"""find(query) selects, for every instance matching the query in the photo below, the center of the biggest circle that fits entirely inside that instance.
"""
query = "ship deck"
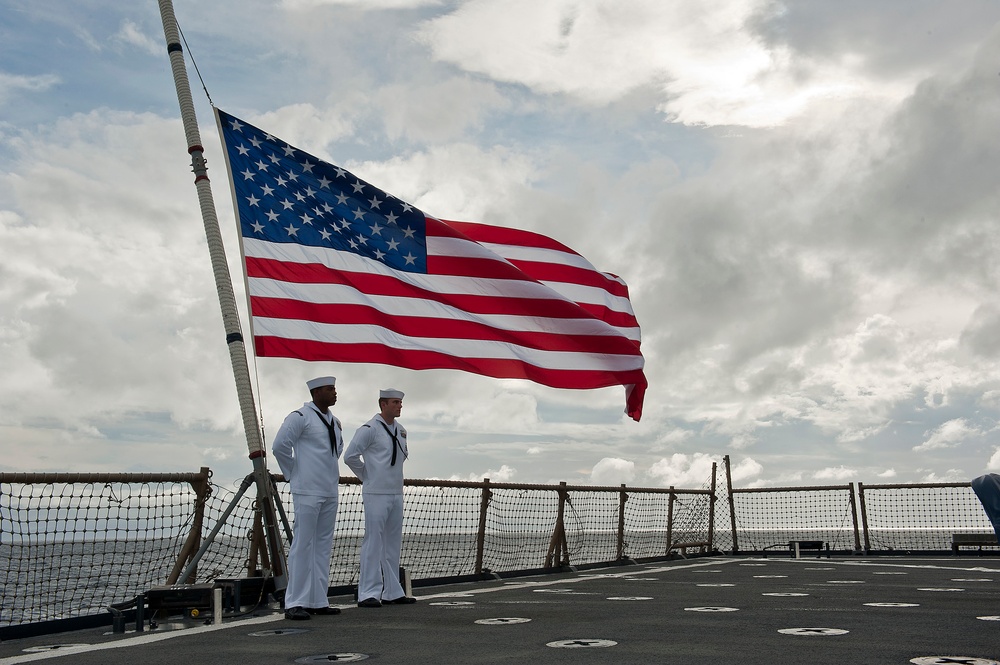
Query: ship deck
(723, 609)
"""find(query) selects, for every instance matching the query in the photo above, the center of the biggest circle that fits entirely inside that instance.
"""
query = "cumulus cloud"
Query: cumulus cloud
(708, 61)
(994, 463)
(695, 470)
(613, 471)
(504, 474)
(835, 473)
(948, 435)
(949, 476)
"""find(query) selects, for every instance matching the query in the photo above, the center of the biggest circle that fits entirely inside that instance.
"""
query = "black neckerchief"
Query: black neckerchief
(333, 436)
(395, 443)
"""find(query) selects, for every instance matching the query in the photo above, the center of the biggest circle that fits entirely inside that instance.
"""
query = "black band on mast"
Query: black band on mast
(174, 47)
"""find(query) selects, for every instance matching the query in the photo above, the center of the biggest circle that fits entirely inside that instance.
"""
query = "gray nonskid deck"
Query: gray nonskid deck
(709, 610)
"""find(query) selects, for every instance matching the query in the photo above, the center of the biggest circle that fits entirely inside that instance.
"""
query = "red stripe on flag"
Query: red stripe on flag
(438, 328)
(384, 285)
(418, 359)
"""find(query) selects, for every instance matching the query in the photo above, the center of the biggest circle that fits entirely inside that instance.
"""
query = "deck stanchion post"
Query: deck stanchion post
(484, 505)
(670, 521)
(622, 498)
(854, 517)
(558, 553)
(864, 517)
(732, 504)
(202, 489)
(711, 510)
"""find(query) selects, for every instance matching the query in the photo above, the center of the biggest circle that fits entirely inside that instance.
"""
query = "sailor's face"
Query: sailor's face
(394, 406)
(326, 395)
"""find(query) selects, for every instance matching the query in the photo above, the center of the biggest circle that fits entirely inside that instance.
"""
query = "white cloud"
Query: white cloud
(745, 469)
(994, 463)
(371, 5)
(949, 476)
(613, 471)
(130, 33)
(707, 61)
(695, 470)
(12, 85)
(437, 112)
(888, 473)
(835, 473)
(948, 435)
(504, 474)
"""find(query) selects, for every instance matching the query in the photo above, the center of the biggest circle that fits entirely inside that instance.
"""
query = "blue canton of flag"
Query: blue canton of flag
(285, 195)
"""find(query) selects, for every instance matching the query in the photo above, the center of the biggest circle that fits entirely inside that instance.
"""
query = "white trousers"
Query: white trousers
(309, 555)
(380, 547)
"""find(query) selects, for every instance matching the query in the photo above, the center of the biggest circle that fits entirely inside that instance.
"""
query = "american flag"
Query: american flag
(339, 270)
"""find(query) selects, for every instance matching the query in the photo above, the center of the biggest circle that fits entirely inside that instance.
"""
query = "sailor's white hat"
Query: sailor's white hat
(321, 381)
(390, 393)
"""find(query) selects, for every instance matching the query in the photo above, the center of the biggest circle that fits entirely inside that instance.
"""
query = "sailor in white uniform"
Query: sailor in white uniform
(376, 455)
(307, 447)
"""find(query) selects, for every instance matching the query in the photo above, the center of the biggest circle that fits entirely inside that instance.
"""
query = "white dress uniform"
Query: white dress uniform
(307, 447)
(378, 461)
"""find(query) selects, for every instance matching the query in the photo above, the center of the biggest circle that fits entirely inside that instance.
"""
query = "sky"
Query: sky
(802, 197)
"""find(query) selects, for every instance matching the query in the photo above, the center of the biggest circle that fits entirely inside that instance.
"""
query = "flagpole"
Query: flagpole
(227, 299)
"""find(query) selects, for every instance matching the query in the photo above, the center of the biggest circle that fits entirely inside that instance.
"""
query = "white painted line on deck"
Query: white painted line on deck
(145, 638)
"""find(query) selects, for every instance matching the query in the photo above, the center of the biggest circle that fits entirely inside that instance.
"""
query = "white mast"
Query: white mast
(227, 299)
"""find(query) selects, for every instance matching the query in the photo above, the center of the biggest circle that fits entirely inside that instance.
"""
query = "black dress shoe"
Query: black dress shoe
(296, 614)
(323, 610)
(402, 600)
(370, 602)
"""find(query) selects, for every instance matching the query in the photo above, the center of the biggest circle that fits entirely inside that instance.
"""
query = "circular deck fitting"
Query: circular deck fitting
(333, 658)
(711, 609)
(813, 631)
(964, 660)
(630, 598)
(502, 621)
(784, 594)
(721, 584)
(991, 617)
(938, 589)
(845, 581)
(278, 631)
(581, 644)
(892, 604)
(53, 647)
(753, 564)
(765, 577)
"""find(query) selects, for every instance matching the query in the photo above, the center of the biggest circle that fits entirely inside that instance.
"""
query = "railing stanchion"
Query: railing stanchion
(711, 511)
(558, 553)
(481, 533)
(670, 521)
(732, 504)
(864, 517)
(622, 498)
